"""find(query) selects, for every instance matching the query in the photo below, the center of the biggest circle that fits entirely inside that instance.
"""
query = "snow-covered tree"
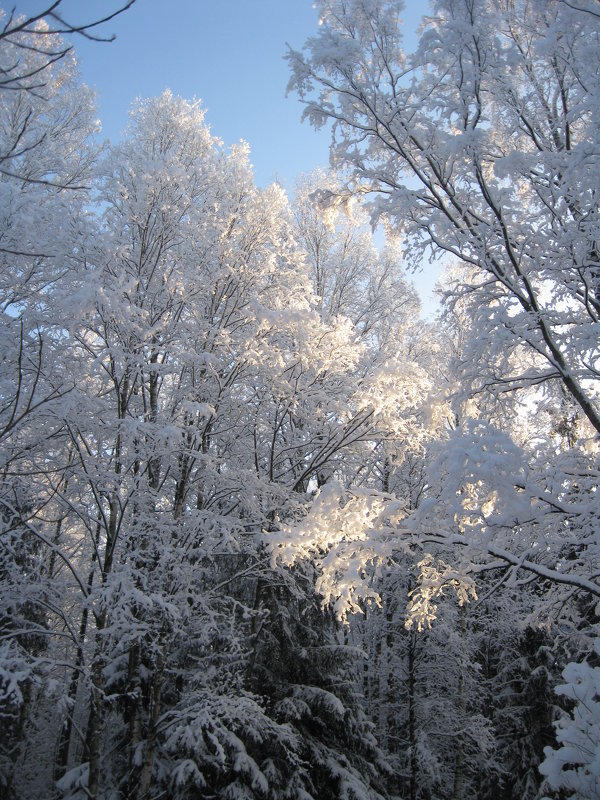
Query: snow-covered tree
(41, 35)
(573, 767)
(46, 159)
(494, 114)
(225, 431)
(207, 398)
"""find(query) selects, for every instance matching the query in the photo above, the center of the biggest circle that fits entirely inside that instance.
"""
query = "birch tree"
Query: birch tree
(496, 112)
(210, 395)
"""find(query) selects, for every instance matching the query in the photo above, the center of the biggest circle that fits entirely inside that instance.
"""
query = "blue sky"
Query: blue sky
(228, 53)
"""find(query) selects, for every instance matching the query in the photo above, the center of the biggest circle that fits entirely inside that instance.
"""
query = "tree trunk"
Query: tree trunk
(457, 791)
(96, 718)
(145, 778)
(412, 739)
(64, 747)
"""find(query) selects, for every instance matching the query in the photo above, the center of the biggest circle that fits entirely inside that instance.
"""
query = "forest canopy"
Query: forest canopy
(265, 532)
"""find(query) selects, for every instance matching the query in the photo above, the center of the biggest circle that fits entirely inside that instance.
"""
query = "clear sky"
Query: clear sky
(228, 53)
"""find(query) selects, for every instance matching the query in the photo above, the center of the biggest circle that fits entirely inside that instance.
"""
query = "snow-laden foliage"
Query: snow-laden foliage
(173, 393)
(482, 147)
(225, 430)
(574, 766)
(344, 534)
(496, 113)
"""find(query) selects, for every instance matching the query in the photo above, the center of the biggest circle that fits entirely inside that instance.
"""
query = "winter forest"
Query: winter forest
(266, 531)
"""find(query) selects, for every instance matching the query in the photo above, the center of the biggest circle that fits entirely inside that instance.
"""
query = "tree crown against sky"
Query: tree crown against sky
(482, 145)
(187, 390)
(219, 46)
(486, 119)
(224, 430)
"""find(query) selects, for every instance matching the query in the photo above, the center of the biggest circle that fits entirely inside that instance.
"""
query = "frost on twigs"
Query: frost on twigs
(347, 534)
(434, 579)
(74, 782)
(575, 765)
